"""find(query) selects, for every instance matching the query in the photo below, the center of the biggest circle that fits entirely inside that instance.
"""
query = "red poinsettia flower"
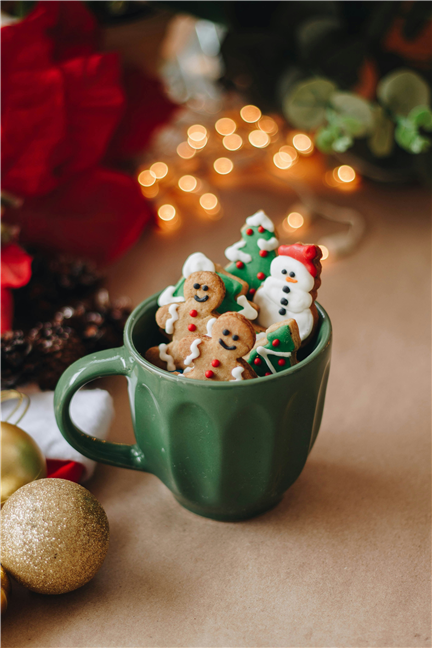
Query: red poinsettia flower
(15, 272)
(64, 105)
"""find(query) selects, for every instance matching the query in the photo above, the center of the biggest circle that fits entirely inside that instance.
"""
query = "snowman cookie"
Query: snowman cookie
(220, 357)
(291, 289)
(203, 292)
(277, 350)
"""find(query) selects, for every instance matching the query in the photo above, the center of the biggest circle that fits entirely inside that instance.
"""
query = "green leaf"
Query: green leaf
(381, 140)
(343, 143)
(324, 139)
(355, 112)
(306, 104)
(408, 137)
(421, 116)
(402, 90)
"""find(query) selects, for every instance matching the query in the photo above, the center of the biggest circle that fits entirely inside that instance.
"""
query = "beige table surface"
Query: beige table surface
(344, 560)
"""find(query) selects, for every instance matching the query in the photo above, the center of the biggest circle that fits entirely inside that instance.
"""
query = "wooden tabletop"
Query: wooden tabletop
(344, 560)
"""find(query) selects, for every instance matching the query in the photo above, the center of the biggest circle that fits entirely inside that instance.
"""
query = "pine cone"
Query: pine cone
(15, 349)
(54, 349)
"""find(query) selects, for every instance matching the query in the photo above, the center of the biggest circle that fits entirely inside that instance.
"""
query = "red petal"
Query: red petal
(64, 469)
(15, 266)
(98, 214)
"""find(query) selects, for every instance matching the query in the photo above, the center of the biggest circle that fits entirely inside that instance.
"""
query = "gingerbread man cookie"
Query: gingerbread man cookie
(220, 357)
(203, 293)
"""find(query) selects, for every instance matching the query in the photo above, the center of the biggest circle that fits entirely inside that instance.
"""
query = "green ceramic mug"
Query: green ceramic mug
(226, 450)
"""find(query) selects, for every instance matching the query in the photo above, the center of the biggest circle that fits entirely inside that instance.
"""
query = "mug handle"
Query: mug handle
(102, 363)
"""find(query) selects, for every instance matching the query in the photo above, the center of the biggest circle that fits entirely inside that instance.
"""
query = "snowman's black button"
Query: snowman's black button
(282, 311)
(286, 289)
(284, 302)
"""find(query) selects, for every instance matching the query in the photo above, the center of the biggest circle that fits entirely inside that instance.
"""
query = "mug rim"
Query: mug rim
(135, 316)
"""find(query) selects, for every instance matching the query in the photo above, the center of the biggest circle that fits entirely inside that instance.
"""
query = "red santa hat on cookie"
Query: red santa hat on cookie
(309, 255)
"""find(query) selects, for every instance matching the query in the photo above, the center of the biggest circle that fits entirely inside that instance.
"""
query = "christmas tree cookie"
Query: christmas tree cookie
(277, 350)
(252, 256)
(235, 299)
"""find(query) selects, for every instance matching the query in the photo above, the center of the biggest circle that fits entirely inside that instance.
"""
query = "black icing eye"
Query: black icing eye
(284, 271)
(196, 286)
(225, 332)
(205, 287)
(235, 337)
(292, 274)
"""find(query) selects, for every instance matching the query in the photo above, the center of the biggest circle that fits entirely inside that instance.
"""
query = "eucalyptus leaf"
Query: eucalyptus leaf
(408, 137)
(421, 116)
(402, 90)
(381, 140)
(306, 104)
(355, 111)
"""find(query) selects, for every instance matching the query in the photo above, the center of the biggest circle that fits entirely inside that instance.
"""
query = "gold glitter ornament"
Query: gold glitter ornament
(5, 589)
(21, 460)
(54, 536)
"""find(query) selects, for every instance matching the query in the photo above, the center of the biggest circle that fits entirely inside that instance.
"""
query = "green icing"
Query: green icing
(258, 264)
(282, 334)
(233, 288)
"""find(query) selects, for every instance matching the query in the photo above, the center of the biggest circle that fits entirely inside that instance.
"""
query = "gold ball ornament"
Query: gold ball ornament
(21, 460)
(5, 589)
(54, 537)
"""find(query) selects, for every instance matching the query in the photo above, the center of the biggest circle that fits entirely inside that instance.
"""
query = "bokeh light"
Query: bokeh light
(295, 220)
(232, 142)
(197, 133)
(223, 165)
(303, 143)
(146, 178)
(185, 151)
(250, 114)
(346, 173)
(325, 252)
(187, 183)
(268, 125)
(259, 139)
(159, 169)
(225, 126)
(197, 144)
(289, 150)
(166, 212)
(208, 201)
(282, 160)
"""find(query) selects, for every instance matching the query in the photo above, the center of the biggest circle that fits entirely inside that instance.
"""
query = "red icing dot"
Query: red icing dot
(249, 231)
(281, 362)
(276, 342)
(193, 313)
(257, 361)
(261, 275)
(240, 265)
(261, 229)
(252, 292)
(263, 253)
(209, 374)
(192, 327)
(267, 373)
(215, 362)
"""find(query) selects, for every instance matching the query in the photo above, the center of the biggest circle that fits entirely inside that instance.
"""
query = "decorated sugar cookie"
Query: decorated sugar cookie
(235, 288)
(203, 292)
(277, 350)
(291, 289)
(252, 256)
(220, 357)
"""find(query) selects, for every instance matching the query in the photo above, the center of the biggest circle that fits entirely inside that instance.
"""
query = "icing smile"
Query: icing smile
(222, 343)
(201, 299)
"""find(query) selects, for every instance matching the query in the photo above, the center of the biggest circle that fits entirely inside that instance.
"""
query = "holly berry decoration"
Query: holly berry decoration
(277, 351)
(251, 257)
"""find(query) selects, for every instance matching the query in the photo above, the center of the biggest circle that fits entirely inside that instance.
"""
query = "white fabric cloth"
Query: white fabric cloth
(91, 410)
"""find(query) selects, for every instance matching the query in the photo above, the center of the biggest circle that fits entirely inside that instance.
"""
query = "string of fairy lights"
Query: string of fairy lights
(197, 157)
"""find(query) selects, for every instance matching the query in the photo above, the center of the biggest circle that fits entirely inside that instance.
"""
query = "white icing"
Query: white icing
(269, 245)
(169, 325)
(196, 262)
(236, 373)
(194, 352)
(187, 370)
(260, 218)
(166, 297)
(166, 357)
(269, 295)
(247, 311)
(262, 351)
(210, 325)
(260, 336)
(234, 253)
